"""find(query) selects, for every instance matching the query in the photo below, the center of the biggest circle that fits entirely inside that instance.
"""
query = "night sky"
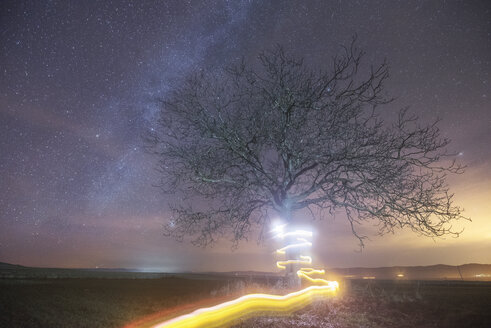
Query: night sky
(79, 86)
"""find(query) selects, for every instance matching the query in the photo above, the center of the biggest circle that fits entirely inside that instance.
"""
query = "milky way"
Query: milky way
(81, 82)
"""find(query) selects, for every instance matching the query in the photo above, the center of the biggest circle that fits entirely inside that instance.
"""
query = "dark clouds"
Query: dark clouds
(80, 82)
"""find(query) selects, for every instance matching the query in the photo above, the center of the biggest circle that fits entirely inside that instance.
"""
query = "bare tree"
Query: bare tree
(285, 137)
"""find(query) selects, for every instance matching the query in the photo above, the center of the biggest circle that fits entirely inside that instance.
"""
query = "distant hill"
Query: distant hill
(469, 272)
(472, 271)
(22, 272)
(8, 266)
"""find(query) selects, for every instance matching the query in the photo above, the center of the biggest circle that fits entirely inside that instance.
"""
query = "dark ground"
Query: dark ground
(394, 304)
(116, 302)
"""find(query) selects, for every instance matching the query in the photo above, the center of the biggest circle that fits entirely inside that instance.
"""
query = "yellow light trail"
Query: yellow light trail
(303, 260)
(304, 273)
(226, 313)
(303, 243)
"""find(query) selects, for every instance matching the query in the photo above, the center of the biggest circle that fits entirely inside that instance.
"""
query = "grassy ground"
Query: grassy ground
(93, 302)
(116, 302)
(394, 304)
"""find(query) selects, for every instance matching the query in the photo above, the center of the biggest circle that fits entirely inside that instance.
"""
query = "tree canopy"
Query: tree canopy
(282, 136)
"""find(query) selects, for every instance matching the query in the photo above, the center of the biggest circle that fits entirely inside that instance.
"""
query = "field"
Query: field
(93, 302)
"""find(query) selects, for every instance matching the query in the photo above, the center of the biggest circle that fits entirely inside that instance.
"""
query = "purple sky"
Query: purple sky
(79, 86)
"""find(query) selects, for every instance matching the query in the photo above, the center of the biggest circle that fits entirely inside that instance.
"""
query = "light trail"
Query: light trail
(227, 313)
(303, 260)
(303, 243)
(298, 233)
(306, 272)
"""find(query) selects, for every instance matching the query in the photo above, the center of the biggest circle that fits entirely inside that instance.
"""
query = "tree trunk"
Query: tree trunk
(291, 277)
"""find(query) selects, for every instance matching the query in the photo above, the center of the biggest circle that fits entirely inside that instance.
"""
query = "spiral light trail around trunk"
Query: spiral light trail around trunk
(225, 314)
